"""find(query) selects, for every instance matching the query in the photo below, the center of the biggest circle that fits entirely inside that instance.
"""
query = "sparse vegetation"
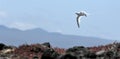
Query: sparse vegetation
(46, 51)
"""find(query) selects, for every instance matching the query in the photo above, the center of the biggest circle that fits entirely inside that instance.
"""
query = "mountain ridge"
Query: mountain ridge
(16, 37)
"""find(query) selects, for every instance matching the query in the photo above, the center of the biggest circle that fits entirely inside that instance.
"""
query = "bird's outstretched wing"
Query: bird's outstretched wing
(78, 21)
(79, 14)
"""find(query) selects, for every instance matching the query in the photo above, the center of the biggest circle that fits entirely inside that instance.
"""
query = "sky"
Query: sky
(59, 16)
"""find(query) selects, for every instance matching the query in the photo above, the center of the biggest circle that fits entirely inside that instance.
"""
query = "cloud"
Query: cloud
(21, 26)
(59, 31)
(3, 14)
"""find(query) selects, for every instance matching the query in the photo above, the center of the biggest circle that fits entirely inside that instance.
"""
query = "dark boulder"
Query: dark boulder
(2, 46)
(49, 54)
(47, 44)
(68, 56)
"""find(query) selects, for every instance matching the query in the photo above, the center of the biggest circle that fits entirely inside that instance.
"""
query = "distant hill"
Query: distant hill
(12, 36)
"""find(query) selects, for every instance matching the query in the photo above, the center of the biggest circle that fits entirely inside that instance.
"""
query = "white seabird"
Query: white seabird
(79, 14)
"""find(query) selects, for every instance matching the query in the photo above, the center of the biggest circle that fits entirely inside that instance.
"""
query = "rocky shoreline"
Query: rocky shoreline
(46, 51)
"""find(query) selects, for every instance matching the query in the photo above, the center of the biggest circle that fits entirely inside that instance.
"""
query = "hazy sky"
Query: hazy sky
(59, 16)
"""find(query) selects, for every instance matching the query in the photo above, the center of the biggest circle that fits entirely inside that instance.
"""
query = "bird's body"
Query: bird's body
(79, 14)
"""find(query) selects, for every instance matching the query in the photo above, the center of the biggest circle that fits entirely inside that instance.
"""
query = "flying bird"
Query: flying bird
(79, 14)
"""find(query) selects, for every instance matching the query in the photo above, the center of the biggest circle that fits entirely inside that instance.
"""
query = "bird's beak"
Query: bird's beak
(76, 13)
